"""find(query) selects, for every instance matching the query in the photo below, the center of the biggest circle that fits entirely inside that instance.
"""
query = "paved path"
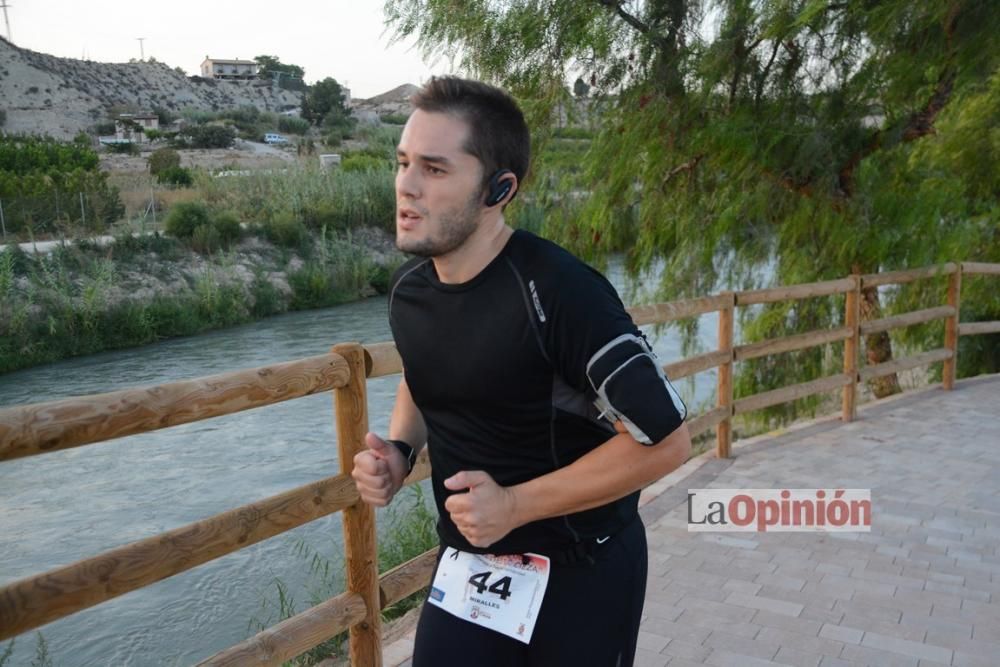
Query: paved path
(922, 588)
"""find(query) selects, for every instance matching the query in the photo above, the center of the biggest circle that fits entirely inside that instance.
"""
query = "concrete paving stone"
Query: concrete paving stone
(817, 645)
(918, 650)
(897, 602)
(834, 568)
(897, 630)
(869, 611)
(870, 573)
(755, 648)
(841, 633)
(935, 623)
(958, 591)
(982, 609)
(887, 566)
(813, 593)
(989, 632)
(790, 656)
(673, 630)
(768, 604)
(644, 658)
(781, 581)
(664, 611)
(967, 660)
(686, 650)
(695, 590)
(933, 598)
(722, 610)
(741, 586)
(876, 657)
(722, 658)
(728, 541)
(651, 642)
(827, 661)
(807, 627)
(708, 622)
(976, 647)
(835, 582)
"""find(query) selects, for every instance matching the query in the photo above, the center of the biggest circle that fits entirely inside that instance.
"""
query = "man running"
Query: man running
(542, 404)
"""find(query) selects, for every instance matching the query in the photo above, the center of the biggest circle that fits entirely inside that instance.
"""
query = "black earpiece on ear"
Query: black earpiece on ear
(498, 189)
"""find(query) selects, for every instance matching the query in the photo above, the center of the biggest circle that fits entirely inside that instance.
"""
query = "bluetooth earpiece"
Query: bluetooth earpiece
(499, 187)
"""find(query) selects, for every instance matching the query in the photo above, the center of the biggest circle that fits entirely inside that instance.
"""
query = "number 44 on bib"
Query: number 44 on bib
(501, 593)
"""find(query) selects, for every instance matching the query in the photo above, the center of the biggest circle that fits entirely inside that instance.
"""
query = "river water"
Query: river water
(64, 506)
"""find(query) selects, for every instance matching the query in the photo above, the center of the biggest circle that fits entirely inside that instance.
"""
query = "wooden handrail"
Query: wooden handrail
(47, 427)
(661, 313)
(905, 364)
(294, 636)
(906, 320)
(34, 429)
(39, 599)
(907, 275)
(791, 393)
(980, 268)
(791, 343)
(976, 328)
(805, 291)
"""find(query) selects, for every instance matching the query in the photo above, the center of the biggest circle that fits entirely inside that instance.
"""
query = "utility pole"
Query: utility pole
(142, 51)
(6, 19)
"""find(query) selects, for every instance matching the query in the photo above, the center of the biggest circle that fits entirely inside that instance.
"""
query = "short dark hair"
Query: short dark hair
(498, 136)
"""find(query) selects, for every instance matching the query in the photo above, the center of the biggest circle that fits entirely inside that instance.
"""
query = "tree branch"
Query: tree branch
(684, 166)
(918, 124)
(633, 21)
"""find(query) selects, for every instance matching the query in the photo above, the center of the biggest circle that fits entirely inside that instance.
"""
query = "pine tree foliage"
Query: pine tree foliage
(746, 142)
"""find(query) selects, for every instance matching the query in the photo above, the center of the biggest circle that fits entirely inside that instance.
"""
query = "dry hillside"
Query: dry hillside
(44, 94)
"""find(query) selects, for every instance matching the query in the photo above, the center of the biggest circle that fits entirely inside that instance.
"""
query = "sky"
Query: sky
(343, 39)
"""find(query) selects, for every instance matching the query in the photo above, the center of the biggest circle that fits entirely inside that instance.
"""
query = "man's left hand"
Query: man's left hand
(486, 512)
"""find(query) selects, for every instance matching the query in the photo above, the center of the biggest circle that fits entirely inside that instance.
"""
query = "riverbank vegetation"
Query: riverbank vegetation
(83, 297)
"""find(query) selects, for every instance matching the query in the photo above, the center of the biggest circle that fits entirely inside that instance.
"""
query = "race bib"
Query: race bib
(502, 593)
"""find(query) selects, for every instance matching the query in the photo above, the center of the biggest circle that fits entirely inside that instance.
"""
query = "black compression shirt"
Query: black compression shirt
(506, 370)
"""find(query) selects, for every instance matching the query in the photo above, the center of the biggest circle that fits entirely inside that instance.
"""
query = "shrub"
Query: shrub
(209, 136)
(394, 118)
(82, 139)
(124, 148)
(3, 117)
(334, 138)
(285, 230)
(162, 159)
(206, 240)
(292, 125)
(185, 218)
(105, 128)
(176, 176)
(227, 225)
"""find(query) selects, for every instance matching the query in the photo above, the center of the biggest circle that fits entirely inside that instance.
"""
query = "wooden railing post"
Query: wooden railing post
(852, 345)
(951, 328)
(351, 406)
(724, 390)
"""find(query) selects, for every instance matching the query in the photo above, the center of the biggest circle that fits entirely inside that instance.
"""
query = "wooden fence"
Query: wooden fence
(45, 427)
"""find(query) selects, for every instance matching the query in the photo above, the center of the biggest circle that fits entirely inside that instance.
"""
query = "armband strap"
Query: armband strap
(408, 452)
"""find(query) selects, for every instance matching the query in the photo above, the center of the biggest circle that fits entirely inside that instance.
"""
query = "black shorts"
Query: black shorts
(590, 616)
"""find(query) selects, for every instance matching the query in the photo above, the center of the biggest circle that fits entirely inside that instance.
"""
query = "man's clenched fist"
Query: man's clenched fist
(379, 471)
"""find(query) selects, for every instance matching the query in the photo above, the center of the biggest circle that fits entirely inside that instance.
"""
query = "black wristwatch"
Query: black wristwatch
(408, 452)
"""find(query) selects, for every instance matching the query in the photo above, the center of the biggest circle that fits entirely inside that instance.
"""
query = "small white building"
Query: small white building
(218, 68)
(131, 127)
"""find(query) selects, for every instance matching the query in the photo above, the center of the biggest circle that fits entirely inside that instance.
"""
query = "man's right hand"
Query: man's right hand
(379, 471)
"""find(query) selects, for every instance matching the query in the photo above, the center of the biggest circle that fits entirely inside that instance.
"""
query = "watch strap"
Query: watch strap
(408, 452)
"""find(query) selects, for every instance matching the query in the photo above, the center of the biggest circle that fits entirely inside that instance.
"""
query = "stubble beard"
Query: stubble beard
(454, 228)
